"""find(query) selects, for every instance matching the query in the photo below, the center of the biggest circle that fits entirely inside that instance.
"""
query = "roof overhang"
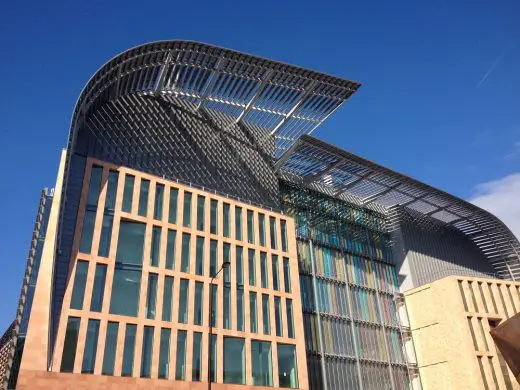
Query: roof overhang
(315, 164)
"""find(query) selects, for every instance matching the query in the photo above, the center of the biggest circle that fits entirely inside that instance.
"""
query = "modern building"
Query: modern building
(450, 320)
(185, 161)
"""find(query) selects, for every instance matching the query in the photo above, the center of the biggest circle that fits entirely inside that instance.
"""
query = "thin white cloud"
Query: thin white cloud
(493, 67)
(502, 198)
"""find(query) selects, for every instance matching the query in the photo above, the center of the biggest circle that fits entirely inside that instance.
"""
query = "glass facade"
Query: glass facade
(185, 252)
(151, 296)
(172, 209)
(186, 214)
(272, 233)
(199, 303)
(213, 222)
(158, 202)
(251, 266)
(129, 350)
(234, 361)
(180, 364)
(265, 313)
(226, 219)
(238, 223)
(167, 298)
(90, 210)
(261, 363)
(201, 201)
(98, 290)
(164, 353)
(109, 357)
(108, 214)
(253, 313)
(199, 256)
(147, 352)
(250, 227)
(155, 251)
(78, 290)
(143, 198)
(128, 193)
(287, 369)
(70, 344)
(183, 301)
(196, 366)
(170, 249)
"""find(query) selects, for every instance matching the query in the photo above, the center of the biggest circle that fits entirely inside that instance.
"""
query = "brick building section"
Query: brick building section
(450, 321)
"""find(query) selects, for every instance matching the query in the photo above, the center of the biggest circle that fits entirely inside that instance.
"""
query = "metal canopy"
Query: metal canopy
(318, 165)
(231, 87)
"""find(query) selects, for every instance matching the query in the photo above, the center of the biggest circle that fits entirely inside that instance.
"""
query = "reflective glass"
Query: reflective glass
(227, 258)
(155, 250)
(80, 280)
(278, 316)
(170, 249)
(213, 254)
(199, 303)
(151, 296)
(98, 290)
(261, 229)
(214, 360)
(240, 309)
(128, 193)
(70, 344)
(147, 352)
(183, 301)
(125, 291)
(251, 267)
(143, 198)
(109, 357)
(111, 195)
(89, 220)
(286, 275)
(287, 369)
(172, 210)
(196, 366)
(159, 200)
(186, 215)
(180, 364)
(213, 223)
(130, 244)
(129, 350)
(290, 321)
(276, 280)
(201, 201)
(238, 223)
(234, 361)
(164, 353)
(263, 269)
(106, 234)
(94, 185)
(226, 218)
(239, 266)
(214, 306)
(199, 256)
(283, 227)
(253, 316)
(250, 227)
(227, 307)
(265, 314)
(272, 229)
(185, 252)
(261, 363)
(90, 211)
(167, 298)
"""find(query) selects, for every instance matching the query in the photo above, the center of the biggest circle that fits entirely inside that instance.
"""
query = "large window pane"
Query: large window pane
(201, 201)
(155, 250)
(196, 367)
(287, 370)
(94, 185)
(89, 220)
(98, 290)
(172, 211)
(199, 303)
(111, 195)
(90, 211)
(70, 344)
(167, 298)
(164, 353)
(272, 230)
(238, 223)
(213, 254)
(170, 249)
(129, 350)
(278, 316)
(199, 256)
(159, 200)
(263, 269)
(109, 357)
(213, 223)
(186, 215)
(180, 364)
(143, 198)
(151, 296)
(147, 352)
(276, 280)
(290, 320)
(128, 193)
(253, 316)
(234, 361)
(125, 292)
(183, 301)
(283, 227)
(227, 307)
(250, 227)
(108, 215)
(239, 265)
(261, 363)
(265, 314)
(214, 360)
(251, 267)
(227, 258)
(214, 306)
(78, 290)
(286, 275)
(240, 309)
(261, 229)
(130, 244)
(226, 218)
(185, 252)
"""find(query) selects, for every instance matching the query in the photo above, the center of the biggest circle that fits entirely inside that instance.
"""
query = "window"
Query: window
(151, 297)
(287, 371)
(251, 267)
(214, 360)
(90, 210)
(159, 200)
(253, 321)
(283, 227)
(98, 290)
(183, 301)
(261, 362)
(272, 231)
(199, 256)
(69, 346)
(172, 211)
(263, 269)
(214, 299)
(239, 265)
(278, 316)
(186, 214)
(147, 352)
(227, 258)
(290, 321)
(276, 280)
(109, 357)
(201, 201)
(261, 229)
(234, 361)
(213, 253)
(240, 309)
(78, 290)
(213, 223)
(286, 275)
(226, 217)
(250, 228)
(143, 198)
(185, 252)
(128, 193)
(127, 274)
(164, 353)
(167, 298)
(238, 223)
(199, 303)
(227, 306)
(156, 246)
(170, 249)
(108, 215)
(265, 314)
(129, 350)
(196, 367)
(180, 364)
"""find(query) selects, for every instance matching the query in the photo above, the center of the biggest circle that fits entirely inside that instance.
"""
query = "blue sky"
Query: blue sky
(440, 99)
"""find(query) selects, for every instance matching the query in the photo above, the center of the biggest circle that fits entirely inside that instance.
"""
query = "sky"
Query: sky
(440, 95)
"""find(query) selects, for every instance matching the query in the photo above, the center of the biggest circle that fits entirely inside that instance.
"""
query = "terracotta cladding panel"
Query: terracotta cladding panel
(104, 316)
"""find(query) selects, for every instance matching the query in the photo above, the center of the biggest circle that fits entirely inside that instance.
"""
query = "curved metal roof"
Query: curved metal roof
(231, 87)
(316, 164)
